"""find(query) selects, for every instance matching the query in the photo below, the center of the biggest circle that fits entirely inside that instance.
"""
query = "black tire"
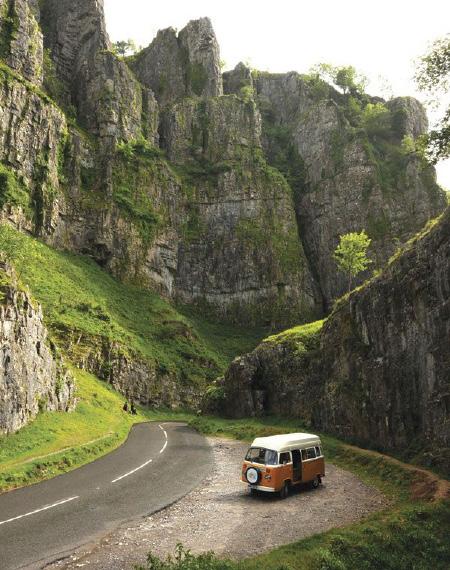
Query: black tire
(316, 482)
(284, 491)
(253, 491)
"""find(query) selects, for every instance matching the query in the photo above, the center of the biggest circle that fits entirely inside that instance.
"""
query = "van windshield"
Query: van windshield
(261, 455)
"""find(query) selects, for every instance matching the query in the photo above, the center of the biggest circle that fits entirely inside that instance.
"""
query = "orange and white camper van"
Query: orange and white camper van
(277, 462)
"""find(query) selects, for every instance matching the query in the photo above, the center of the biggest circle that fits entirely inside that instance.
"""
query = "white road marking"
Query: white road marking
(133, 471)
(40, 510)
(163, 448)
(165, 433)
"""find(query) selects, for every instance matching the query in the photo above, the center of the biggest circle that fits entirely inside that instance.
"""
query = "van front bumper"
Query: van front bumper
(260, 487)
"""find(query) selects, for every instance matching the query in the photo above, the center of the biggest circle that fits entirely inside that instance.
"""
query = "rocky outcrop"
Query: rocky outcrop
(347, 169)
(408, 117)
(21, 44)
(199, 43)
(108, 100)
(32, 376)
(236, 80)
(378, 372)
(128, 372)
(184, 65)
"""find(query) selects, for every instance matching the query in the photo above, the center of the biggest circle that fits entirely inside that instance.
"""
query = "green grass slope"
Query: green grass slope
(84, 305)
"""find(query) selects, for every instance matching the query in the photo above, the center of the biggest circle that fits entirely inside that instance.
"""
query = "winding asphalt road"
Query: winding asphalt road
(158, 464)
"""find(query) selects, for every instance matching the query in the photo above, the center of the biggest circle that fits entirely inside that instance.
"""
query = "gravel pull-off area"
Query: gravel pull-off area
(222, 516)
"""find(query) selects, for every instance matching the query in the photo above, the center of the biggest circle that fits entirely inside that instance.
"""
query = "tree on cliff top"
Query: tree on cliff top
(124, 48)
(433, 76)
(351, 254)
(344, 77)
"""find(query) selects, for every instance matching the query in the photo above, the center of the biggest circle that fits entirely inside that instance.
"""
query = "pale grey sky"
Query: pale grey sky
(380, 38)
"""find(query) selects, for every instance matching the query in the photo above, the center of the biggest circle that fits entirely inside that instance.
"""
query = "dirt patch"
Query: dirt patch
(222, 516)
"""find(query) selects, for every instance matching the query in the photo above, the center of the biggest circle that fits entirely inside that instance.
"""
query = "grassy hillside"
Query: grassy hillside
(83, 306)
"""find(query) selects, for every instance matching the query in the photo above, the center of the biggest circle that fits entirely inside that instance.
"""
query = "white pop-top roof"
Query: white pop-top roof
(287, 441)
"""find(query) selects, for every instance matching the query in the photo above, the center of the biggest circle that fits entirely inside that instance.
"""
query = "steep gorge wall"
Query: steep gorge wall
(379, 370)
(147, 166)
(193, 227)
(32, 376)
(348, 171)
(206, 220)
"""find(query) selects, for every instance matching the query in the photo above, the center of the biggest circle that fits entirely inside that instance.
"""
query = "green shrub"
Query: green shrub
(13, 191)
(184, 560)
(376, 120)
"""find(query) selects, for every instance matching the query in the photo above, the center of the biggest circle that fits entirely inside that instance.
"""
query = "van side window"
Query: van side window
(304, 455)
(311, 453)
(285, 457)
(318, 451)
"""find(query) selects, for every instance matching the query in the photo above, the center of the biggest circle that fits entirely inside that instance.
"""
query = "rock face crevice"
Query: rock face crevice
(379, 370)
(32, 376)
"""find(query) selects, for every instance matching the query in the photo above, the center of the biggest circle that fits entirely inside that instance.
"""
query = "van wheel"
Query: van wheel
(284, 491)
(316, 482)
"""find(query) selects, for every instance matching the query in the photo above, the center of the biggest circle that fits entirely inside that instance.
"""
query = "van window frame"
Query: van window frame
(279, 457)
(304, 453)
(272, 451)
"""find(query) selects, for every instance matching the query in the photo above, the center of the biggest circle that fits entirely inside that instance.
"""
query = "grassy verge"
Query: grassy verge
(56, 442)
(414, 537)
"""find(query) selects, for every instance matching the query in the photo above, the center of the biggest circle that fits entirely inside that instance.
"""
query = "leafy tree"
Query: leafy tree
(351, 254)
(433, 77)
(376, 119)
(344, 77)
(124, 48)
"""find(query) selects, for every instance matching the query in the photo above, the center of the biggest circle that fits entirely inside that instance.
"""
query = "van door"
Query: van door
(296, 465)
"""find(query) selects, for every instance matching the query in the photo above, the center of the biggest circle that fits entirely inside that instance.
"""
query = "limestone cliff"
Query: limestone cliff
(164, 180)
(32, 376)
(228, 192)
(347, 168)
(21, 45)
(378, 372)
(182, 65)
